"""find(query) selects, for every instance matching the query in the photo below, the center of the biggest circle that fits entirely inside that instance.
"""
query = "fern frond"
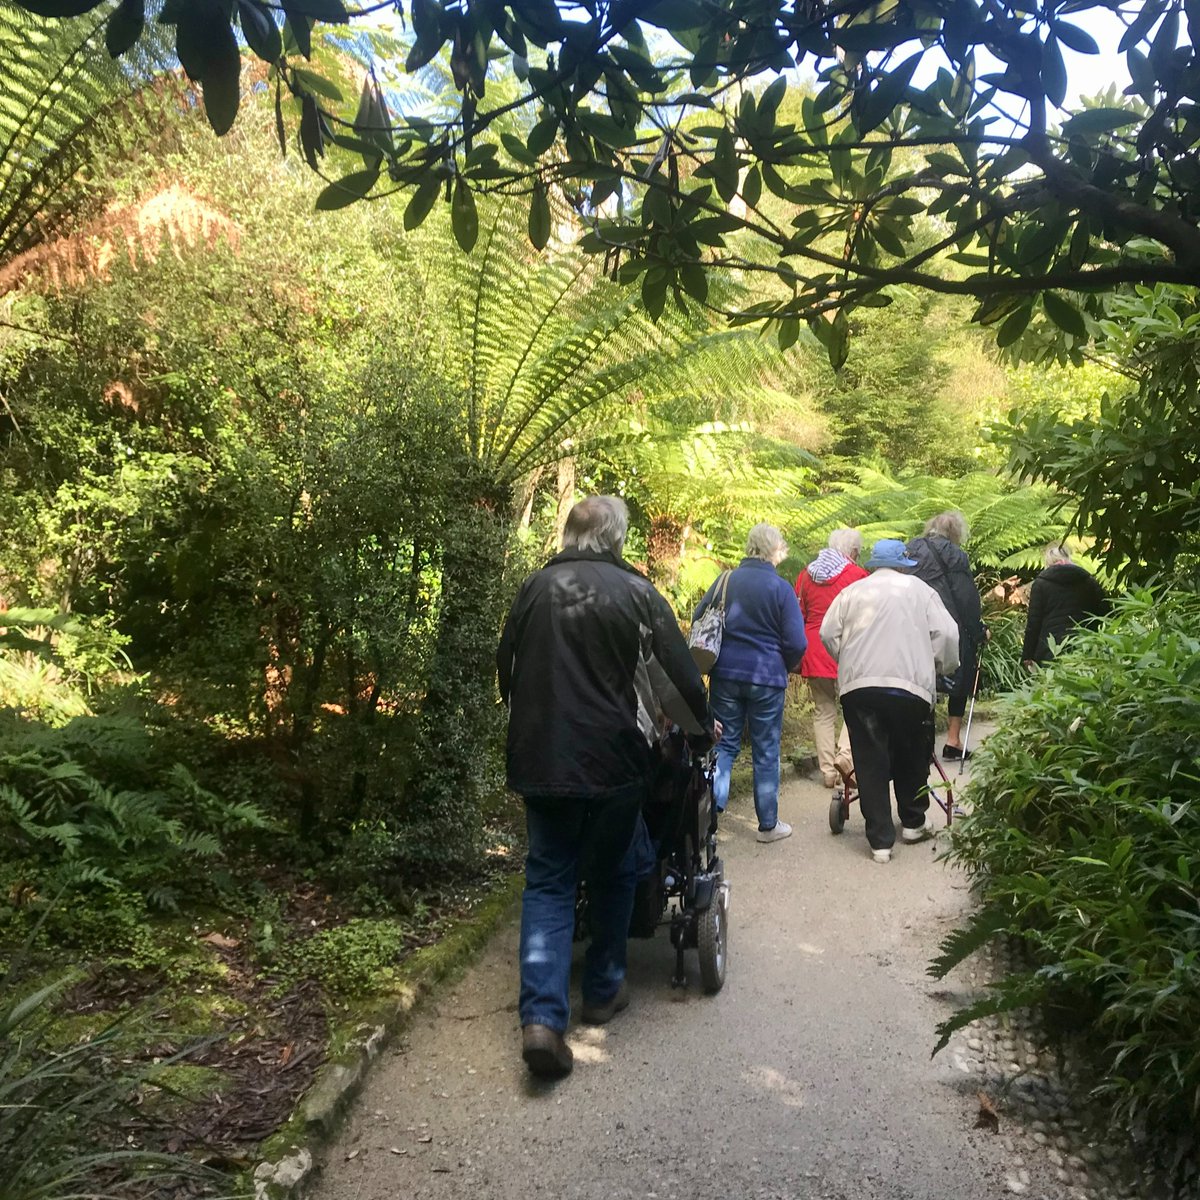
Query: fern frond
(984, 925)
(1015, 992)
(66, 104)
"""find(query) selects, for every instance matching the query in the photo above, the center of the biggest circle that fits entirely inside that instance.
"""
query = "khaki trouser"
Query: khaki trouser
(832, 750)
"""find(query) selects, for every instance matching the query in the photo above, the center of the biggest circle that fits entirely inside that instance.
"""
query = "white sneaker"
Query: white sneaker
(881, 856)
(917, 835)
(782, 829)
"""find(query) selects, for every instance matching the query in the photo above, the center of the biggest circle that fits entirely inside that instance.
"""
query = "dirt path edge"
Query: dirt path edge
(289, 1160)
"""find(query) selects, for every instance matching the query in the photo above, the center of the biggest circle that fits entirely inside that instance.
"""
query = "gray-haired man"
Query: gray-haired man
(589, 655)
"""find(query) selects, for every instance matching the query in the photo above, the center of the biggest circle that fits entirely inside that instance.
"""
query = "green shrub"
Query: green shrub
(1003, 669)
(355, 959)
(94, 805)
(1084, 843)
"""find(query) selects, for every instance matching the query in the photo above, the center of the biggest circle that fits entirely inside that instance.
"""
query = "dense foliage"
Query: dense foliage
(93, 807)
(678, 127)
(1131, 467)
(1084, 843)
(1009, 524)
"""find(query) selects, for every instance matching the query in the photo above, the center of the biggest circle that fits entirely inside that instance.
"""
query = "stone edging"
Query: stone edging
(289, 1158)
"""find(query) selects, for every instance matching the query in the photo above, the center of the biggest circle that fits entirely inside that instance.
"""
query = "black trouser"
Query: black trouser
(964, 680)
(892, 739)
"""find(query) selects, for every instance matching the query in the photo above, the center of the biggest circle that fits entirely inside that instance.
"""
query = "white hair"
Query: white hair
(847, 542)
(766, 542)
(599, 524)
(951, 525)
(1056, 552)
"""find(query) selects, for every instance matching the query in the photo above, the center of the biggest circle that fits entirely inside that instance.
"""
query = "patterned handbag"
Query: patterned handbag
(704, 640)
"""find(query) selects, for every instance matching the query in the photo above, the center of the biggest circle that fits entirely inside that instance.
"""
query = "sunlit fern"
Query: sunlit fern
(1010, 523)
(552, 357)
(60, 92)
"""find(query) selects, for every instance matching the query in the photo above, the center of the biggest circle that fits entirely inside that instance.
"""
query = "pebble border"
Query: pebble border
(1046, 1120)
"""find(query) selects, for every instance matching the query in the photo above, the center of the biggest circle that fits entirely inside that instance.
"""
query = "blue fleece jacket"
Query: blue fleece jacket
(764, 632)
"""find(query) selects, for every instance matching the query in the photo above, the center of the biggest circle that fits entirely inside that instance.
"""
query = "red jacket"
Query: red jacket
(815, 599)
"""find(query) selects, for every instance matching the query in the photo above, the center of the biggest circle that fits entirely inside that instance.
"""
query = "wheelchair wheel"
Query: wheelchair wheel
(838, 812)
(712, 937)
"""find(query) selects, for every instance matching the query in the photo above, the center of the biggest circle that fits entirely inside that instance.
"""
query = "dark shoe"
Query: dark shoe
(601, 1014)
(546, 1052)
(954, 753)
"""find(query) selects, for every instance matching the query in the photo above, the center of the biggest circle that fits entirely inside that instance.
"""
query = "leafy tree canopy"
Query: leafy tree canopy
(937, 126)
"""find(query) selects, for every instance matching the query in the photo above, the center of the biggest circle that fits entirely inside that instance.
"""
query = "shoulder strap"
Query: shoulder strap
(723, 591)
(938, 555)
(719, 593)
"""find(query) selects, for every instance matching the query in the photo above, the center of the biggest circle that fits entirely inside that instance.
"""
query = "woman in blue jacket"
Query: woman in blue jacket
(764, 640)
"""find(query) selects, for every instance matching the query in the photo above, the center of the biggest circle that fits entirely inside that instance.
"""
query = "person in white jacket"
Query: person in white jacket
(891, 637)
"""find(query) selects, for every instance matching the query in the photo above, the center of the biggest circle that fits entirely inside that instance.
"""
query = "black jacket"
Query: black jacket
(589, 655)
(1061, 597)
(947, 569)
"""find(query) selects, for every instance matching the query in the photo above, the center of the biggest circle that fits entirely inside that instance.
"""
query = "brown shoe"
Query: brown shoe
(601, 1014)
(546, 1052)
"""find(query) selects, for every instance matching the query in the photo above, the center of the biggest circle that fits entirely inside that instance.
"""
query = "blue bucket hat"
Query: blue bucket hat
(888, 552)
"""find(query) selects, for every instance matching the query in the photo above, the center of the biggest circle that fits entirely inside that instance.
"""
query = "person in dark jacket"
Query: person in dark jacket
(764, 639)
(1062, 596)
(590, 656)
(943, 564)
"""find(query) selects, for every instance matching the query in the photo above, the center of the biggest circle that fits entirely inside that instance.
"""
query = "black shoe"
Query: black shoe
(546, 1052)
(601, 1014)
(955, 753)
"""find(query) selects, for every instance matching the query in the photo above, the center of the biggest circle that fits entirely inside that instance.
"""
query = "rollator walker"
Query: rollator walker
(847, 792)
(942, 793)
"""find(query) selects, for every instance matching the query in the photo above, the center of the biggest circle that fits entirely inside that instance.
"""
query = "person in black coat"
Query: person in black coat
(1062, 596)
(943, 564)
(590, 656)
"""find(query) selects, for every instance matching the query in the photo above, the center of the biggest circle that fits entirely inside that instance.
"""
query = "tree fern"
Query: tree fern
(551, 352)
(66, 107)
(1010, 523)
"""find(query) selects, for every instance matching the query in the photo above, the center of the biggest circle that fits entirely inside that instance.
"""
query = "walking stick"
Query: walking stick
(971, 711)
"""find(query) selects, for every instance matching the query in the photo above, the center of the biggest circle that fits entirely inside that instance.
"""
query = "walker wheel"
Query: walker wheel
(713, 943)
(839, 810)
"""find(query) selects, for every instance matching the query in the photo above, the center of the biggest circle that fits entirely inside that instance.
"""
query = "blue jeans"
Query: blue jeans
(569, 836)
(735, 704)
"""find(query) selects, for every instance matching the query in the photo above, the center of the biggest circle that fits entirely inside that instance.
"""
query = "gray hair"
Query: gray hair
(1056, 552)
(766, 542)
(599, 524)
(951, 525)
(847, 542)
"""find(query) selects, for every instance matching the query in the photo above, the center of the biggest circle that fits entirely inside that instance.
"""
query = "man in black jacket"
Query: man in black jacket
(1062, 596)
(943, 564)
(590, 656)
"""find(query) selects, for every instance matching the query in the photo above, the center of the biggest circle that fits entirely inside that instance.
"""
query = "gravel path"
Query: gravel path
(809, 1075)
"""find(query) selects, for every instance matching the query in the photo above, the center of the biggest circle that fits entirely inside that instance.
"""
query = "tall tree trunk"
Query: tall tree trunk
(664, 549)
(528, 495)
(566, 497)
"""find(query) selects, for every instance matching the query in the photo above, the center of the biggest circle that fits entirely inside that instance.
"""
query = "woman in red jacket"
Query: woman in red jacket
(833, 570)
